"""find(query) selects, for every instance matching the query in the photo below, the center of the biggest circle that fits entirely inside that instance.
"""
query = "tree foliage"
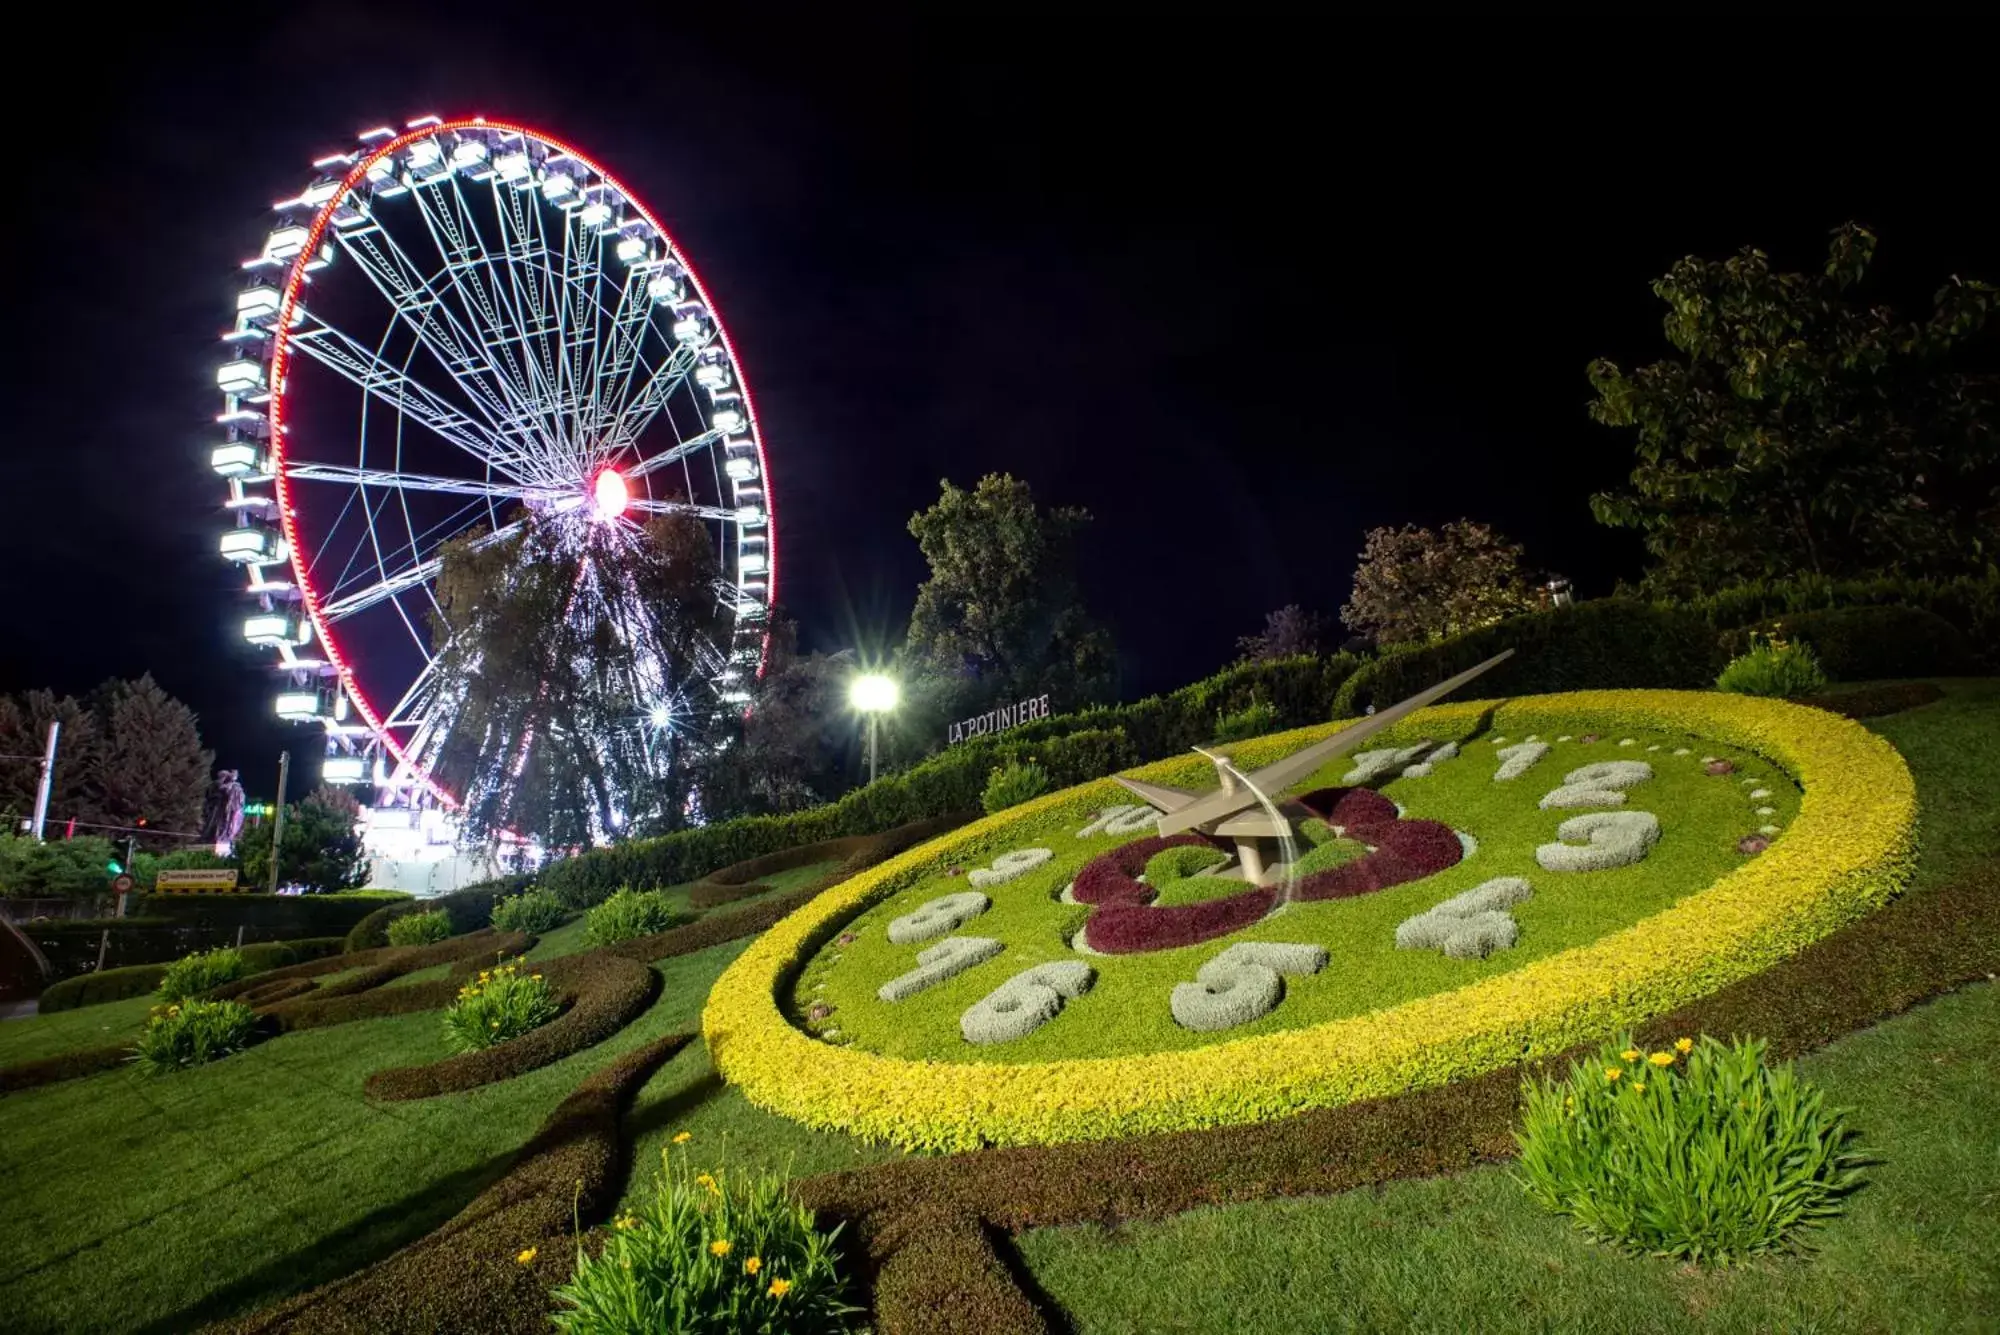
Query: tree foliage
(129, 755)
(558, 644)
(1001, 613)
(1288, 632)
(791, 748)
(1799, 431)
(1415, 584)
(322, 848)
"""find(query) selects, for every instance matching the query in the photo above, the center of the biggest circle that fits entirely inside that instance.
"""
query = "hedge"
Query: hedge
(1874, 701)
(138, 979)
(1969, 603)
(1849, 850)
(1609, 644)
(1873, 643)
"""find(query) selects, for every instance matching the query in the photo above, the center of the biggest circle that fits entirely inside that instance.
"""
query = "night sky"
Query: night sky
(1241, 293)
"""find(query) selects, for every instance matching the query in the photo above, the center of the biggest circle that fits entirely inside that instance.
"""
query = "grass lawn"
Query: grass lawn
(1918, 1250)
(64, 1031)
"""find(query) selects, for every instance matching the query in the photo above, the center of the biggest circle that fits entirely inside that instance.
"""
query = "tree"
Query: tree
(1415, 584)
(151, 769)
(1799, 431)
(1288, 632)
(322, 845)
(1001, 613)
(561, 649)
(24, 732)
(792, 745)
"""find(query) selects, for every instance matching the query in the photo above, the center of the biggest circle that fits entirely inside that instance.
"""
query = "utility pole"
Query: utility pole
(47, 781)
(871, 746)
(278, 819)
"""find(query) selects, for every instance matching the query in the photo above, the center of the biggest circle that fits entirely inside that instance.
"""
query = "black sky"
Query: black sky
(1242, 293)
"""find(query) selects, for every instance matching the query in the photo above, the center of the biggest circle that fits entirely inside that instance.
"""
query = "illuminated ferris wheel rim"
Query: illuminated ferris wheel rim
(364, 166)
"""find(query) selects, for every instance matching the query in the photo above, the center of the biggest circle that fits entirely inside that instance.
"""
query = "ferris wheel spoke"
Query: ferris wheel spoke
(673, 455)
(406, 579)
(638, 413)
(389, 478)
(351, 359)
(680, 508)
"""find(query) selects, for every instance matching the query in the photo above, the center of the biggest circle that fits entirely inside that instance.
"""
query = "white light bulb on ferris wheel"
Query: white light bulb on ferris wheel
(497, 385)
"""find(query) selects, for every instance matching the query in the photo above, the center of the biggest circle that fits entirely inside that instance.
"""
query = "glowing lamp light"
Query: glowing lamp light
(237, 458)
(610, 495)
(595, 214)
(873, 693)
(742, 470)
(285, 242)
(250, 545)
(299, 706)
(257, 303)
(660, 716)
(633, 249)
(239, 377)
(270, 629)
(556, 186)
(513, 166)
(343, 769)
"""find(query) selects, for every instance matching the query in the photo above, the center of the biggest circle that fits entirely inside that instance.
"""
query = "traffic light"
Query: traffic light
(114, 867)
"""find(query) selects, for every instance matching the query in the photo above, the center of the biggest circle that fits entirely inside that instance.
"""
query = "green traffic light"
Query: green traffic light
(113, 867)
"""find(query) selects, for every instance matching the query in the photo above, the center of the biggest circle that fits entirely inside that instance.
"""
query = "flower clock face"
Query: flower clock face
(1447, 853)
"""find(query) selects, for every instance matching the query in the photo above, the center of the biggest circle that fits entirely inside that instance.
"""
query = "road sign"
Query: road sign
(122, 883)
(196, 882)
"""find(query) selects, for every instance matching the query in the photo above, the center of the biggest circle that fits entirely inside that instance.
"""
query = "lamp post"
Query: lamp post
(874, 695)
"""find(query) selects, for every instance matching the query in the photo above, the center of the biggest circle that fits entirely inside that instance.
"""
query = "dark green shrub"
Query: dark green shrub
(630, 914)
(1772, 668)
(189, 1033)
(1700, 1152)
(1013, 784)
(744, 1254)
(532, 911)
(1970, 603)
(197, 973)
(1607, 644)
(1253, 720)
(90, 989)
(1873, 643)
(1875, 701)
(502, 1003)
(420, 929)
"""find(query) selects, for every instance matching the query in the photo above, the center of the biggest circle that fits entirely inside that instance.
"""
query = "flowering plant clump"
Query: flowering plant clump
(629, 914)
(531, 911)
(198, 972)
(1010, 785)
(188, 1033)
(1774, 667)
(420, 929)
(710, 1252)
(500, 1004)
(1701, 1152)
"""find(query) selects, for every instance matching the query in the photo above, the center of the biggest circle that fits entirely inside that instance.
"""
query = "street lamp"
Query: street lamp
(874, 695)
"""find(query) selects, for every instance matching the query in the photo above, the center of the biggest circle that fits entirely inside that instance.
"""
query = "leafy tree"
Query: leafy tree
(151, 768)
(1288, 632)
(1800, 431)
(791, 747)
(322, 847)
(558, 644)
(1001, 612)
(24, 731)
(57, 868)
(1415, 584)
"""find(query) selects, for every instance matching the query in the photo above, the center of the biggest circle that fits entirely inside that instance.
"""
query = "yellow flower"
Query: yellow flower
(1662, 1059)
(779, 1287)
(1684, 1046)
(626, 1221)
(753, 1265)
(683, 1138)
(720, 1247)
(1613, 1072)
(527, 1257)
(704, 1180)
(1638, 1087)
(1630, 1054)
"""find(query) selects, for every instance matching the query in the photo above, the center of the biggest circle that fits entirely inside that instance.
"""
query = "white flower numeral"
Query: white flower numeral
(1615, 839)
(1007, 866)
(1518, 759)
(1241, 984)
(947, 959)
(1470, 926)
(1122, 819)
(1599, 785)
(1025, 1002)
(945, 914)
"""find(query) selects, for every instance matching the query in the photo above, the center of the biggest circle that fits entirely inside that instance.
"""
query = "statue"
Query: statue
(222, 812)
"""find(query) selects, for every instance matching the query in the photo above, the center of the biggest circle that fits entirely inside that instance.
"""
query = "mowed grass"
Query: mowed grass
(65, 1031)
(136, 1203)
(1918, 1250)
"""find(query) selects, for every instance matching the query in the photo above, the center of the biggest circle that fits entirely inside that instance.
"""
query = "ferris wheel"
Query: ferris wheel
(456, 332)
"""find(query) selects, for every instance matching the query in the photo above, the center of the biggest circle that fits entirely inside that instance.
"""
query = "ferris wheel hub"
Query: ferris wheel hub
(610, 494)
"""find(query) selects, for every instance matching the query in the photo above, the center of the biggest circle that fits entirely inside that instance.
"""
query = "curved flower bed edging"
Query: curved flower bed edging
(1851, 847)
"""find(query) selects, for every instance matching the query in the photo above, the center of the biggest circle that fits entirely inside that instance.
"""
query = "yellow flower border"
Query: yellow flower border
(1851, 848)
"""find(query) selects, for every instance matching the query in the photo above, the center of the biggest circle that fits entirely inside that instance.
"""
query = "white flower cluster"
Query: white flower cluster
(1599, 785)
(1372, 765)
(1470, 926)
(1435, 758)
(1518, 759)
(1125, 818)
(945, 914)
(1615, 839)
(1008, 866)
(1241, 984)
(947, 959)
(1025, 1002)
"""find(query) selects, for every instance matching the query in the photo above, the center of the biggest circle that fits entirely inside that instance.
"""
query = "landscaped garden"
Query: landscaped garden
(1212, 1103)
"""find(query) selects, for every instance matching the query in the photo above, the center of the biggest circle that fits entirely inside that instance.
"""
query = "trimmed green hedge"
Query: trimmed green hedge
(138, 979)
(1970, 603)
(1874, 643)
(1610, 644)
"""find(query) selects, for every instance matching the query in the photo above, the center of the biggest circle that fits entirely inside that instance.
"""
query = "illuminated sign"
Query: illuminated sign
(1000, 719)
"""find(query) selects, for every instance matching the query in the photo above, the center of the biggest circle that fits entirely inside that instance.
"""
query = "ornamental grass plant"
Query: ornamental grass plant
(420, 929)
(1012, 784)
(1702, 1152)
(711, 1252)
(630, 914)
(192, 974)
(501, 1003)
(189, 1033)
(1774, 667)
(533, 911)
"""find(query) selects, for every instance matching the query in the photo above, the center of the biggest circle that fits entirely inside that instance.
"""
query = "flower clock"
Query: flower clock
(1483, 882)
